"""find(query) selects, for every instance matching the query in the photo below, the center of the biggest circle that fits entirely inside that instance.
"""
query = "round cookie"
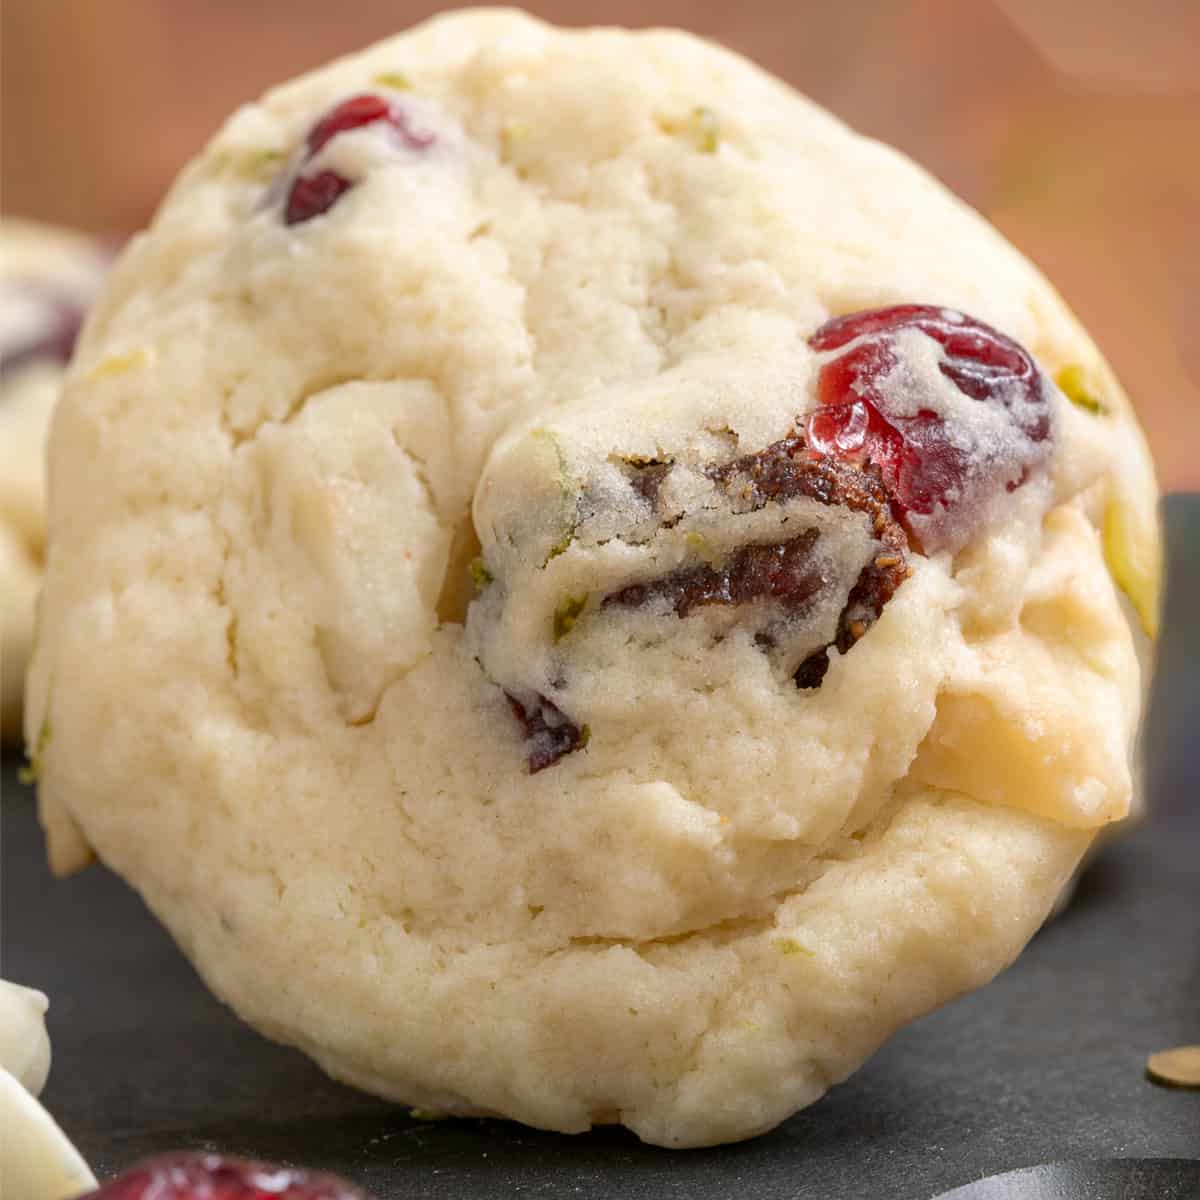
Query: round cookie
(532, 654)
(47, 278)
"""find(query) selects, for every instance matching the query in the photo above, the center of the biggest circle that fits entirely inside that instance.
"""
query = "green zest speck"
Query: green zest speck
(791, 946)
(259, 163)
(1073, 384)
(566, 614)
(480, 575)
(705, 130)
(33, 772)
(701, 127)
(428, 1114)
(396, 80)
(562, 545)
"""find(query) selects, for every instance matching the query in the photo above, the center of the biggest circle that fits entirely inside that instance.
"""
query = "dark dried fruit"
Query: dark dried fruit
(646, 478)
(312, 195)
(783, 572)
(350, 114)
(55, 341)
(925, 466)
(786, 470)
(188, 1176)
(549, 732)
(786, 573)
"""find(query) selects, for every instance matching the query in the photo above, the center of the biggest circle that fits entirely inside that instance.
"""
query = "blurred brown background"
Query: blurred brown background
(1074, 126)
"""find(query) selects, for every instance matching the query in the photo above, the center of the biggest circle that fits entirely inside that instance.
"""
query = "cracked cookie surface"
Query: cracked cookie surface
(346, 513)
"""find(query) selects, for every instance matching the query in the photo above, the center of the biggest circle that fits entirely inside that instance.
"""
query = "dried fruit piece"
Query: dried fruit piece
(549, 732)
(875, 406)
(784, 572)
(646, 478)
(787, 469)
(312, 195)
(788, 573)
(316, 193)
(187, 1176)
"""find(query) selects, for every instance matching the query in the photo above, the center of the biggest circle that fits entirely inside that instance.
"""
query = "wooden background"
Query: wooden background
(1073, 125)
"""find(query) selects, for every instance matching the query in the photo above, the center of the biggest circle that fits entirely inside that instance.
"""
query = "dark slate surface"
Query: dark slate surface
(1044, 1066)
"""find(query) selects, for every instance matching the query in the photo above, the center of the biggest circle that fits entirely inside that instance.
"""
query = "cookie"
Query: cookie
(582, 590)
(47, 278)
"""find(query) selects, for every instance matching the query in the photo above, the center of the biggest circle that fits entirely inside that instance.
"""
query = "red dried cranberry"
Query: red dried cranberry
(350, 114)
(215, 1177)
(312, 195)
(927, 468)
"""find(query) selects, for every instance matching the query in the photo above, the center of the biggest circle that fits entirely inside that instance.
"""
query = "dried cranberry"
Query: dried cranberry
(928, 468)
(59, 328)
(312, 195)
(350, 114)
(215, 1177)
(549, 732)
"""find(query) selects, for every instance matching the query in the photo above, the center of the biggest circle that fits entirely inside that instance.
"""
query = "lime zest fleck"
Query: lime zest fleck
(1073, 383)
(480, 575)
(396, 80)
(566, 614)
(259, 162)
(585, 736)
(706, 129)
(512, 134)
(791, 946)
(560, 478)
(249, 164)
(428, 1114)
(701, 127)
(1130, 563)
(562, 545)
(120, 364)
(31, 773)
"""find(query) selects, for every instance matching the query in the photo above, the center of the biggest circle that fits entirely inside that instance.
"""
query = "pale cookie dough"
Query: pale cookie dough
(726, 771)
(47, 277)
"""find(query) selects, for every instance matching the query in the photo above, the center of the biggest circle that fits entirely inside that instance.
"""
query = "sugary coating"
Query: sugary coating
(47, 277)
(598, 843)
